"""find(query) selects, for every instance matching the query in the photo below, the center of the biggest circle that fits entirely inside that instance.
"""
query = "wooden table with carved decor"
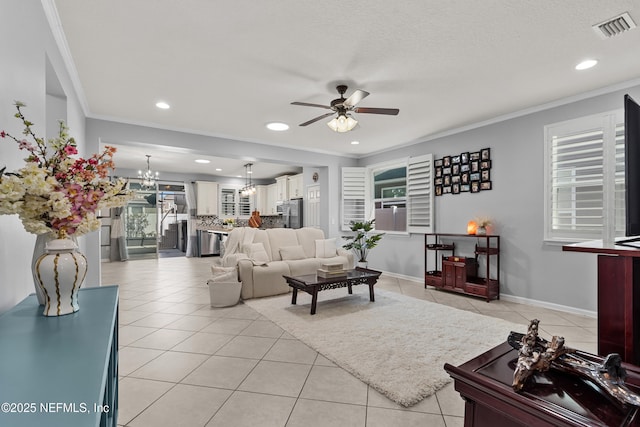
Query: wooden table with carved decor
(312, 284)
(549, 399)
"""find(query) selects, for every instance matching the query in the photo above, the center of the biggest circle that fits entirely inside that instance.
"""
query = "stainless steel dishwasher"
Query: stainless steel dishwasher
(209, 243)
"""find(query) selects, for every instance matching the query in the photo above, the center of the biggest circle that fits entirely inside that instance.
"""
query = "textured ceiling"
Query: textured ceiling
(227, 67)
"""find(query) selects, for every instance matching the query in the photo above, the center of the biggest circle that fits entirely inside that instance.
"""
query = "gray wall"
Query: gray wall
(530, 268)
(27, 45)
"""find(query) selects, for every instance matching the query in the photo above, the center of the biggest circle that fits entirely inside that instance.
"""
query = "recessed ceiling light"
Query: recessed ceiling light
(218, 170)
(277, 126)
(238, 176)
(163, 105)
(586, 64)
(203, 161)
(355, 142)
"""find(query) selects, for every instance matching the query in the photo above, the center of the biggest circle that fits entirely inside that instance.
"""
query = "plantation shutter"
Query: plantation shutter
(355, 196)
(585, 178)
(420, 194)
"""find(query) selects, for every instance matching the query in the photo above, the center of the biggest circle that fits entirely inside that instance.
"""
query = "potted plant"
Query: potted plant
(363, 241)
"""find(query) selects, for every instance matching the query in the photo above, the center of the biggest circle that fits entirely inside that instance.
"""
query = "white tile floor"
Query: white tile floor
(185, 364)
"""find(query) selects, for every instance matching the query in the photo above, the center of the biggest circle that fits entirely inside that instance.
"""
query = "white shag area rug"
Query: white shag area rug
(397, 344)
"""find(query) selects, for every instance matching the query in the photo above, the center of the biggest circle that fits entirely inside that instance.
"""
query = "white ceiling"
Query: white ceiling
(228, 67)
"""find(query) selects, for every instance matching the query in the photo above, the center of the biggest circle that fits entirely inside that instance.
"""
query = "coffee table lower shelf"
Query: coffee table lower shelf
(312, 284)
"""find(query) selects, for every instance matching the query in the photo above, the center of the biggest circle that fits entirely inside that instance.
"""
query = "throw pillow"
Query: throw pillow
(224, 274)
(257, 253)
(326, 248)
(289, 253)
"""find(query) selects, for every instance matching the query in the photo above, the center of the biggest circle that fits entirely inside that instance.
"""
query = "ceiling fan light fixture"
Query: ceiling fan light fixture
(342, 123)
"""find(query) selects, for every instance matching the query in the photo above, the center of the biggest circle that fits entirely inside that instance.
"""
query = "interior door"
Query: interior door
(313, 206)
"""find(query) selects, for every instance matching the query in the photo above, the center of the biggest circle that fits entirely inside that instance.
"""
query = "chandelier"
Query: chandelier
(248, 188)
(148, 178)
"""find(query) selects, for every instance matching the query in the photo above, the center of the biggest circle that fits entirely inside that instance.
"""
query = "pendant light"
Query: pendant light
(148, 178)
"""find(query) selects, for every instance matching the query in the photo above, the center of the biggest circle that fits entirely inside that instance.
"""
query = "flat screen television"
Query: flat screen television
(632, 169)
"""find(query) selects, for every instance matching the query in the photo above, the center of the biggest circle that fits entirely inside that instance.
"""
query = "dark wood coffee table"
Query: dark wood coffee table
(312, 284)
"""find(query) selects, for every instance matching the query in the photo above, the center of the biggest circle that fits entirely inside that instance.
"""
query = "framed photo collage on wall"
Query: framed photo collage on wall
(468, 172)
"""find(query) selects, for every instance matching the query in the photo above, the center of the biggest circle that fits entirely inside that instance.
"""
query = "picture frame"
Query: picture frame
(485, 154)
(464, 158)
(438, 190)
(475, 186)
(437, 163)
(437, 181)
(485, 164)
(474, 156)
(446, 189)
(486, 185)
(475, 165)
(446, 171)
(455, 179)
(465, 167)
(465, 188)
(455, 188)
(485, 175)
(439, 171)
(455, 169)
(455, 160)
(447, 180)
(465, 178)
(446, 161)
(474, 176)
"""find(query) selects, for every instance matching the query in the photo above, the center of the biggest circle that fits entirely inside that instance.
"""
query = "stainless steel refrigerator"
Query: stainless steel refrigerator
(292, 213)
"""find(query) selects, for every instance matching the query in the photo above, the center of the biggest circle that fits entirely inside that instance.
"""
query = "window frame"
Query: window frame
(358, 200)
(610, 125)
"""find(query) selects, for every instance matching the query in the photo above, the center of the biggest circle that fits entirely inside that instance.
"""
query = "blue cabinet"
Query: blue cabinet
(60, 371)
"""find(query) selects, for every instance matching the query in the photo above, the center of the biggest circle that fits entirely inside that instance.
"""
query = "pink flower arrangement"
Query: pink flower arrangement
(55, 192)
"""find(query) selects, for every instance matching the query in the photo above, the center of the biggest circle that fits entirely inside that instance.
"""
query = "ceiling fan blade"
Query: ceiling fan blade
(388, 111)
(355, 97)
(316, 119)
(306, 104)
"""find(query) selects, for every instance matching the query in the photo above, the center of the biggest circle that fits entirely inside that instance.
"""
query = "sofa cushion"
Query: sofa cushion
(292, 252)
(307, 237)
(280, 237)
(268, 280)
(326, 248)
(256, 252)
(300, 267)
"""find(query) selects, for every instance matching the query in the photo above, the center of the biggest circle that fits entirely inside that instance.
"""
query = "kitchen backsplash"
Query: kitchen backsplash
(213, 221)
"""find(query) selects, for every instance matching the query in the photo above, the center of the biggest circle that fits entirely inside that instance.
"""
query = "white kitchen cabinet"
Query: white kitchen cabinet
(272, 199)
(296, 190)
(282, 188)
(262, 199)
(206, 198)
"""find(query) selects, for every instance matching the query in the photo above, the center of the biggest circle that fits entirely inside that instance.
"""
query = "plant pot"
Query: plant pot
(362, 264)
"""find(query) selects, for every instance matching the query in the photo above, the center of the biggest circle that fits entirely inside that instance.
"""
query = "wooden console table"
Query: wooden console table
(551, 398)
(618, 298)
(61, 371)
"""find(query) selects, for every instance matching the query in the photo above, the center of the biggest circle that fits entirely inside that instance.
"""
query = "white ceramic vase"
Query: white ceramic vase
(60, 273)
(39, 250)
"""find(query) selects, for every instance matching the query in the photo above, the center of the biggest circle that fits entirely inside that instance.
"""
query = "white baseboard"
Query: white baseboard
(513, 298)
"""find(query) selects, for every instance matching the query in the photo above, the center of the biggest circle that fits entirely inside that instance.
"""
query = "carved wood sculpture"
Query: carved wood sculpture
(537, 354)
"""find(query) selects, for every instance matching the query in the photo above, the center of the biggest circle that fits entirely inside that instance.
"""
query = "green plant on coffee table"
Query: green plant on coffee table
(364, 240)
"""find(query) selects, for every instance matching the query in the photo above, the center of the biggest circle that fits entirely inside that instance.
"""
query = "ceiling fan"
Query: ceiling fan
(344, 122)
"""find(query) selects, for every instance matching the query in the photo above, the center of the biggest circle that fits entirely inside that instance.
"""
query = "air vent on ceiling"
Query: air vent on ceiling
(614, 26)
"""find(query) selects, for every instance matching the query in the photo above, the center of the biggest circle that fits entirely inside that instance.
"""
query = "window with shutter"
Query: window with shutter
(398, 194)
(584, 186)
(420, 194)
(354, 196)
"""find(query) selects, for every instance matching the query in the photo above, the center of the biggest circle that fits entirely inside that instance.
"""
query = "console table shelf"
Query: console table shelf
(61, 371)
(459, 273)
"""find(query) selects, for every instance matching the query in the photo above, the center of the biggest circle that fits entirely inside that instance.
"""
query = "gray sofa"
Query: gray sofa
(262, 257)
